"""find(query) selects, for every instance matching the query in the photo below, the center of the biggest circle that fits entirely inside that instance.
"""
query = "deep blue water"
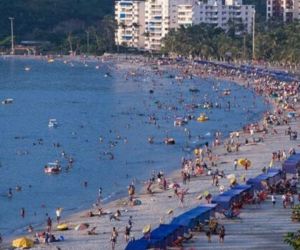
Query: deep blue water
(88, 105)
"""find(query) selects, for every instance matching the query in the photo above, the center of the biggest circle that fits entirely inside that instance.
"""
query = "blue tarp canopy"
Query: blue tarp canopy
(192, 217)
(291, 165)
(295, 156)
(244, 187)
(141, 244)
(271, 170)
(235, 193)
(224, 201)
(166, 234)
(257, 181)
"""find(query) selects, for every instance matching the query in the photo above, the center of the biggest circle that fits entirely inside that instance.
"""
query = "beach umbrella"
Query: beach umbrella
(22, 243)
(82, 226)
(244, 162)
(231, 178)
(147, 229)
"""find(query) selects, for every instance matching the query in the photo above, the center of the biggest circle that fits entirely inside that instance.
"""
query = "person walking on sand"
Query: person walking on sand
(113, 239)
(127, 233)
(222, 234)
(235, 163)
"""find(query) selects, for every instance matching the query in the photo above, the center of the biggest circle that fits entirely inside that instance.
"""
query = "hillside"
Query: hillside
(51, 20)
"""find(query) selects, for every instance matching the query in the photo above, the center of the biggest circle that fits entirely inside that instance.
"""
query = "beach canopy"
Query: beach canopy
(270, 177)
(236, 193)
(165, 234)
(258, 181)
(141, 244)
(194, 216)
(243, 187)
(292, 164)
(22, 243)
(226, 199)
(274, 175)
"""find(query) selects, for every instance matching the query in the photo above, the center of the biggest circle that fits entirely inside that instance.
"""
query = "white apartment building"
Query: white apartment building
(143, 24)
(285, 10)
(221, 12)
(130, 18)
(160, 17)
(186, 13)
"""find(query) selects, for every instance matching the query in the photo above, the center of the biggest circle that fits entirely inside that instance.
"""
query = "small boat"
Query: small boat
(7, 101)
(52, 168)
(27, 68)
(169, 141)
(51, 60)
(52, 123)
(202, 118)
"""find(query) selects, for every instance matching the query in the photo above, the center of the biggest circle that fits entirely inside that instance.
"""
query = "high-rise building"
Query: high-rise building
(224, 13)
(163, 15)
(284, 10)
(130, 18)
(144, 23)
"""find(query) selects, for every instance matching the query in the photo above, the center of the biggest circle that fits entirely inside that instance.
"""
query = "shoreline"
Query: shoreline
(144, 197)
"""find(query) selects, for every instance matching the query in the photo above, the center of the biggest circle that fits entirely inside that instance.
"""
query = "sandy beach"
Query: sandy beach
(155, 208)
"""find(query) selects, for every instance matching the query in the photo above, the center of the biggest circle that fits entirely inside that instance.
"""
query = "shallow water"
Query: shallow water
(88, 105)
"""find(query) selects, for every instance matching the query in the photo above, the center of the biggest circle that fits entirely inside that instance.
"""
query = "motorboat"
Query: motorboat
(50, 60)
(202, 118)
(52, 123)
(7, 101)
(27, 68)
(52, 168)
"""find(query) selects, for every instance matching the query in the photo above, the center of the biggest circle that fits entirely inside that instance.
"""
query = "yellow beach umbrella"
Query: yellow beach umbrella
(244, 162)
(147, 229)
(22, 243)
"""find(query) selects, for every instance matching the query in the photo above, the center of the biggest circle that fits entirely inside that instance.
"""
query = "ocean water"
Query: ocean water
(88, 105)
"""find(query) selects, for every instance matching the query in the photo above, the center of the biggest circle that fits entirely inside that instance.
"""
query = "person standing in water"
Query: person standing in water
(22, 212)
